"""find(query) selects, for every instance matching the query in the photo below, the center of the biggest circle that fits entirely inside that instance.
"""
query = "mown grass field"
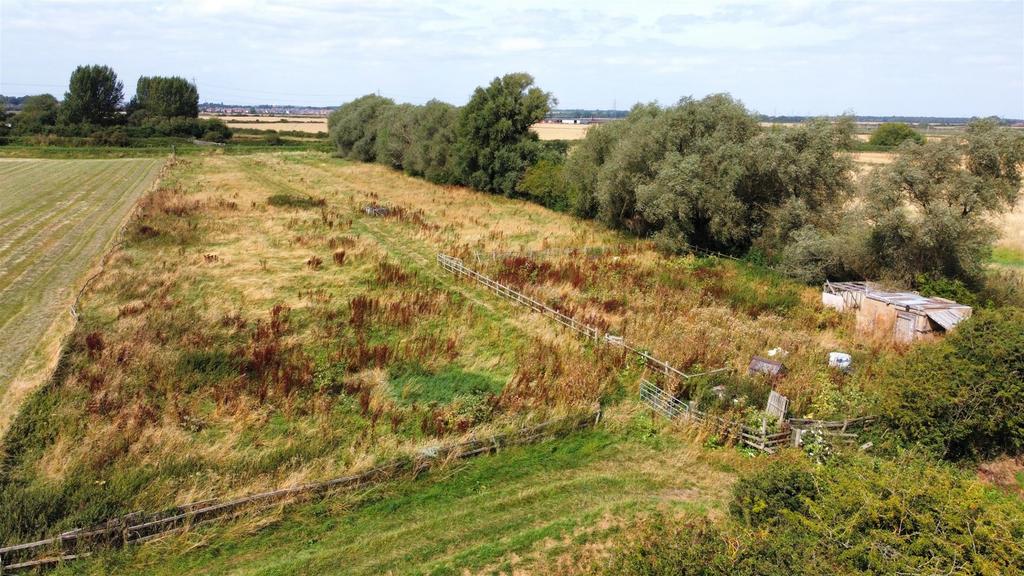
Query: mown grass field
(56, 218)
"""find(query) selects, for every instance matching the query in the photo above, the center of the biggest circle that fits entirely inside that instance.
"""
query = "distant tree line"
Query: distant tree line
(486, 144)
(94, 108)
(705, 173)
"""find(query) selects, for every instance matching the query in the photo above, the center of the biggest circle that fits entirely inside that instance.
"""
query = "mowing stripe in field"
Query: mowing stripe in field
(494, 514)
(56, 218)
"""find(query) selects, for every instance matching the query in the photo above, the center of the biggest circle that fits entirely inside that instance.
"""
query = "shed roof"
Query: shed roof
(947, 318)
(903, 298)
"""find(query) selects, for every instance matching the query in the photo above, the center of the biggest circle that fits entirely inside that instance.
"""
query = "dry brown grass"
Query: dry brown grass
(310, 124)
(1012, 229)
(552, 131)
(874, 158)
(688, 323)
(212, 268)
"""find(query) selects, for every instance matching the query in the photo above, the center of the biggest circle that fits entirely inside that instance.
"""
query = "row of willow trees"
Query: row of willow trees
(706, 173)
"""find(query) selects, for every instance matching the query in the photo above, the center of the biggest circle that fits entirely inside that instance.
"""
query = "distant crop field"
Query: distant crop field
(56, 217)
(561, 131)
(311, 124)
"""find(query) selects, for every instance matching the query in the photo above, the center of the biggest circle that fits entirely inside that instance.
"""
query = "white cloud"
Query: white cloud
(780, 54)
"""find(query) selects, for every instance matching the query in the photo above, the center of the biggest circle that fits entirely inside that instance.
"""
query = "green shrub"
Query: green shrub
(857, 514)
(785, 485)
(963, 397)
(956, 290)
(910, 516)
(545, 184)
(894, 134)
(294, 201)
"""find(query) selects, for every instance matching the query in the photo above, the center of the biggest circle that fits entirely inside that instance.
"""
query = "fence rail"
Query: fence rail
(792, 431)
(457, 267)
(138, 527)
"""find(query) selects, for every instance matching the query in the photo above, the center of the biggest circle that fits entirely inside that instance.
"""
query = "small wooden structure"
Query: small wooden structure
(770, 368)
(906, 315)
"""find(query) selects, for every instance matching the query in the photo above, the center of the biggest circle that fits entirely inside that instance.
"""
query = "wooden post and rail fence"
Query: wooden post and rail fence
(458, 267)
(791, 430)
(138, 527)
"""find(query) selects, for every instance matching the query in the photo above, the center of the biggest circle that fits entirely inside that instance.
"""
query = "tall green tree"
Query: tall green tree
(494, 143)
(166, 96)
(433, 138)
(927, 216)
(930, 211)
(394, 135)
(94, 96)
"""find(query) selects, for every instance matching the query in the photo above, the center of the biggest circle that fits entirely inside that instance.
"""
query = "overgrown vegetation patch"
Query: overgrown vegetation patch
(295, 201)
(416, 385)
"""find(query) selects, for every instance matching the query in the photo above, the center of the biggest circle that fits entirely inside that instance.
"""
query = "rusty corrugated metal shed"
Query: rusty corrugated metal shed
(904, 298)
(946, 318)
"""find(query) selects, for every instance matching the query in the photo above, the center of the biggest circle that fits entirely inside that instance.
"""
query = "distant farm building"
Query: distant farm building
(906, 315)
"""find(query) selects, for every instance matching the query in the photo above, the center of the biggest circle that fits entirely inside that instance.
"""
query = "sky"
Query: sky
(780, 57)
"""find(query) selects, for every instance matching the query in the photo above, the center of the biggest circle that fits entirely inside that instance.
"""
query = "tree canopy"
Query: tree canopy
(353, 126)
(37, 112)
(894, 134)
(494, 144)
(94, 96)
(705, 172)
(166, 96)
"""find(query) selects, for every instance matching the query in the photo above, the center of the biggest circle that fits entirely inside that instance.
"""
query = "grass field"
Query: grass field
(1009, 249)
(544, 509)
(57, 217)
(258, 329)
